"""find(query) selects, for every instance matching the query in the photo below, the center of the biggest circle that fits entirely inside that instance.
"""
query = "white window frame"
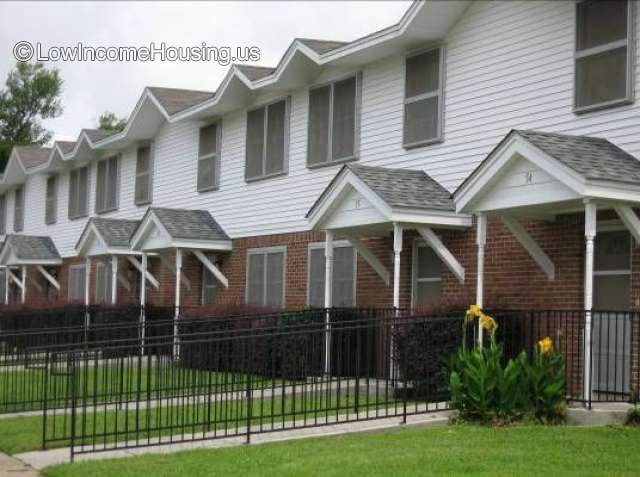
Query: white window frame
(287, 126)
(336, 244)
(628, 42)
(103, 208)
(3, 217)
(417, 244)
(149, 174)
(69, 285)
(265, 251)
(51, 201)
(217, 156)
(358, 113)
(18, 219)
(76, 196)
(615, 226)
(439, 93)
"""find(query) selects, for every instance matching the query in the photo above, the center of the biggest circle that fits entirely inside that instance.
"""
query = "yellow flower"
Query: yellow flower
(474, 311)
(487, 323)
(545, 345)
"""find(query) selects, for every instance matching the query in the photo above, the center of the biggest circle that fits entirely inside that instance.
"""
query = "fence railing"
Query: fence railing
(253, 379)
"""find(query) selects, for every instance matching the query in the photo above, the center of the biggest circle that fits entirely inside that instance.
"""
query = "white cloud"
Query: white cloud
(91, 88)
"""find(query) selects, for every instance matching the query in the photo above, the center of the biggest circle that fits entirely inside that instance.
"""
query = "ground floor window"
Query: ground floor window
(427, 276)
(344, 275)
(612, 271)
(103, 282)
(209, 285)
(266, 276)
(76, 282)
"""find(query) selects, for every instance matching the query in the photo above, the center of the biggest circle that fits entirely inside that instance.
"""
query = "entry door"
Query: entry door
(611, 323)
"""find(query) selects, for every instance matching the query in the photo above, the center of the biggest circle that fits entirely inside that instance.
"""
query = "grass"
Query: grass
(456, 450)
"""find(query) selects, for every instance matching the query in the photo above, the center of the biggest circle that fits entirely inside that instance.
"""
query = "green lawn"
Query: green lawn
(458, 450)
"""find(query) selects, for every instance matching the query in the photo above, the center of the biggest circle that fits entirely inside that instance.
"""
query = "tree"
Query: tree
(31, 94)
(108, 121)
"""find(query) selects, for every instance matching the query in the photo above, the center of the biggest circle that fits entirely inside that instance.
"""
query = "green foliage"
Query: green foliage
(31, 94)
(633, 416)
(482, 389)
(108, 121)
(546, 382)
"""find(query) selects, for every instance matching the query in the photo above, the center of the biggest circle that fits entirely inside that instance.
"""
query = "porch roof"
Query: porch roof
(162, 228)
(532, 168)
(29, 250)
(102, 236)
(359, 195)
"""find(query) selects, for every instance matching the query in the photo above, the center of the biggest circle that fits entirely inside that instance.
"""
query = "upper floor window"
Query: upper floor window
(266, 276)
(51, 201)
(18, 210)
(267, 132)
(423, 98)
(209, 157)
(334, 122)
(78, 193)
(107, 185)
(3, 216)
(604, 61)
(144, 175)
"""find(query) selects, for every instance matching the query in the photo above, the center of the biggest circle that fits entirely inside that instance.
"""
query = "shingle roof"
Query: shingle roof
(33, 156)
(321, 46)
(591, 157)
(175, 100)
(115, 232)
(95, 135)
(29, 247)
(402, 188)
(189, 224)
(255, 72)
(66, 146)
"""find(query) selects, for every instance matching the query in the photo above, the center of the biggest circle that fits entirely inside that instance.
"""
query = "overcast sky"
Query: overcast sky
(93, 87)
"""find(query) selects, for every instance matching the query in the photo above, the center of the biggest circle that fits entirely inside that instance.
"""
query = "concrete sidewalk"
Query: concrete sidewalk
(12, 467)
(42, 459)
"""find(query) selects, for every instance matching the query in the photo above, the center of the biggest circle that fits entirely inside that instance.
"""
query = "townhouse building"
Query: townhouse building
(473, 152)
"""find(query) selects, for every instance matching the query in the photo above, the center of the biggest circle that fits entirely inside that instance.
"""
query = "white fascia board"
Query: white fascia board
(431, 217)
(615, 191)
(147, 221)
(214, 245)
(442, 252)
(89, 230)
(36, 261)
(531, 246)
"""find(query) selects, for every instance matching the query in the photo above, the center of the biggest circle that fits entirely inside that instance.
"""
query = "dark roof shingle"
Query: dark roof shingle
(189, 224)
(115, 232)
(321, 46)
(255, 73)
(95, 135)
(29, 247)
(174, 100)
(33, 156)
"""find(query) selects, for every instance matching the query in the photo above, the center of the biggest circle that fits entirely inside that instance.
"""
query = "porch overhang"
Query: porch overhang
(24, 250)
(104, 237)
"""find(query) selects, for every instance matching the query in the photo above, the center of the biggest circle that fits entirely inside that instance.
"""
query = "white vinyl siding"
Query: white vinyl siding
(267, 139)
(265, 284)
(77, 282)
(103, 282)
(18, 209)
(78, 193)
(51, 201)
(3, 215)
(423, 102)
(427, 276)
(334, 122)
(209, 157)
(144, 175)
(604, 59)
(343, 280)
(107, 187)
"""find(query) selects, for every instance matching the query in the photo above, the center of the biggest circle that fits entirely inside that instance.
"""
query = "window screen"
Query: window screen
(427, 277)
(265, 277)
(602, 69)
(333, 121)
(107, 185)
(78, 192)
(18, 211)
(103, 283)
(51, 201)
(144, 175)
(208, 157)
(612, 271)
(344, 276)
(267, 130)
(423, 98)
(76, 282)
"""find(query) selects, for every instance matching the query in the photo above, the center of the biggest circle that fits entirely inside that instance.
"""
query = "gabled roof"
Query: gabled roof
(254, 73)
(29, 249)
(32, 156)
(113, 235)
(181, 228)
(96, 135)
(174, 100)
(321, 46)
(397, 195)
(66, 146)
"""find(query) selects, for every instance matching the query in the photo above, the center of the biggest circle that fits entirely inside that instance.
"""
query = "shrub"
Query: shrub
(633, 415)
(546, 383)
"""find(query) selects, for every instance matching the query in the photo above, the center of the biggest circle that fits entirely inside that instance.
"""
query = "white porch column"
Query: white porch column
(23, 291)
(6, 286)
(397, 249)
(328, 297)
(114, 279)
(176, 351)
(481, 241)
(590, 235)
(87, 282)
(143, 300)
